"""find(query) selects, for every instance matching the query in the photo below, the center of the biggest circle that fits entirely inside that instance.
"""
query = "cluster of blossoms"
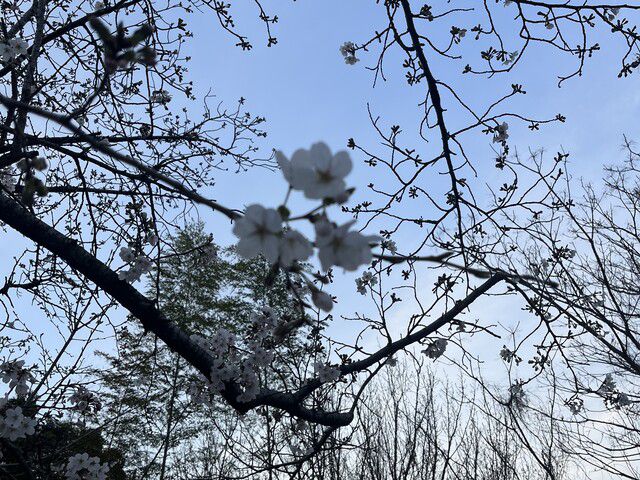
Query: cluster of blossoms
(348, 51)
(319, 175)
(243, 361)
(12, 49)
(14, 425)
(16, 376)
(612, 13)
(436, 348)
(83, 467)
(326, 373)
(160, 96)
(509, 355)
(612, 396)
(506, 354)
(389, 245)
(458, 34)
(517, 396)
(85, 401)
(38, 163)
(367, 280)
(501, 134)
(608, 385)
(140, 264)
(575, 405)
(229, 364)
(509, 58)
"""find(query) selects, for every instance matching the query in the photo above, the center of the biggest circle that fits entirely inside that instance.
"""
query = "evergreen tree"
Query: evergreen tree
(203, 288)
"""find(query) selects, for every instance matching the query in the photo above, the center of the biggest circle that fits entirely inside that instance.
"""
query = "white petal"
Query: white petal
(321, 156)
(301, 159)
(327, 257)
(285, 165)
(341, 165)
(254, 212)
(249, 247)
(272, 220)
(244, 227)
(270, 248)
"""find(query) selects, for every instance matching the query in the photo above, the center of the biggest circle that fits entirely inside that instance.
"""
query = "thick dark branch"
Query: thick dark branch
(18, 218)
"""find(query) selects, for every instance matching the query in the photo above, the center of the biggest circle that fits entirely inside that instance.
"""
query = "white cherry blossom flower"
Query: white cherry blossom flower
(83, 467)
(608, 385)
(436, 348)
(127, 255)
(575, 405)
(316, 172)
(294, 247)
(517, 396)
(348, 51)
(141, 265)
(85, 401)
(259, 231)
(17, 376)
(322, 300)
(501, 134)
(160, 96)
(251, 385)
(14, 425)
(389, 245)
(326, 372)
(622, 400)
(341, 247)
(367, 280)
(13, 48)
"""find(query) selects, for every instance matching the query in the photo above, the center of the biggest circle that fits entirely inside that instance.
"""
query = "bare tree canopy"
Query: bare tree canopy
(132, 289)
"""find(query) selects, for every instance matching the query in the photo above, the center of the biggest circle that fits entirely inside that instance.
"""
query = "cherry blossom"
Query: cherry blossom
(436, 348)
(367, 280)
(326, 372)
(341, 247)
(83, 467)
(608, 385)
(127, 255)
(322, 300)
(161, 96)
(316, 172)
(14, 425)
(294, 247)
(389, 245)
(575, 405)
(501, 134)
(517, 396)
(13, 48)
(622, 400)
(16, 376)
(259, 232)
(84, 401)
(141, 265)
(348, 51)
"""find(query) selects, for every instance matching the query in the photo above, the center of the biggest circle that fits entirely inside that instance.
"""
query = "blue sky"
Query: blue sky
(307, 93)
